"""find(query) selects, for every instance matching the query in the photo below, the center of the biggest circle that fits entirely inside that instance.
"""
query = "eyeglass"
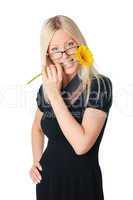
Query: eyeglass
(58, 54)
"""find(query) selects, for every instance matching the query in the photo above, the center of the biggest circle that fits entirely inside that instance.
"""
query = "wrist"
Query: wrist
(54, 94)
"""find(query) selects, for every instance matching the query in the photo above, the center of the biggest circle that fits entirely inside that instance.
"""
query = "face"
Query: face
(61, 41)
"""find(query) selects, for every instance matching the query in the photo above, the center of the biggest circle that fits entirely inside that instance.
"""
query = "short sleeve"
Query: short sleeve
(100, 97)
(40, 99)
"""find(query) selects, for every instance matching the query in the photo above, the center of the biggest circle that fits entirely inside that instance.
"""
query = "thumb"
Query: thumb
(39, 166)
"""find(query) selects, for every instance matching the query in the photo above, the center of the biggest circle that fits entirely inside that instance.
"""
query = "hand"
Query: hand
(34, 173)
(52, 76)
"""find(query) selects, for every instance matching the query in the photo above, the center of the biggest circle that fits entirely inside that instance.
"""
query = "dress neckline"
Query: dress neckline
(72, 84)
(72, 90)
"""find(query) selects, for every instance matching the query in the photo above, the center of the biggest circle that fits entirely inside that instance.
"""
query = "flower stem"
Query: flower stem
(34, 78)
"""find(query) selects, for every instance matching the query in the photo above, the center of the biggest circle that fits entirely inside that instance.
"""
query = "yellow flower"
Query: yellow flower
(84, 56)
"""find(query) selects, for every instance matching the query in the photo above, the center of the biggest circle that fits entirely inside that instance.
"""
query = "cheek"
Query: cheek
(76, 66)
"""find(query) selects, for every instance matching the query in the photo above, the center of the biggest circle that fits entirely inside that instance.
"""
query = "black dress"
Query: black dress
(66, 175)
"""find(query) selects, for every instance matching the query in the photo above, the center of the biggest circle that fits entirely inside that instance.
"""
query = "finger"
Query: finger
(44, 73)
(59, 71)
(49, 72)
(35, 178)
(37, 173)
(33, 175)
(39, 166)
(54, 72)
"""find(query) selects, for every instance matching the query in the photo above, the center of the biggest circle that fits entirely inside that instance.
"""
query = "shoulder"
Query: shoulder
(103, 81)
(103, 85)
(100, 92)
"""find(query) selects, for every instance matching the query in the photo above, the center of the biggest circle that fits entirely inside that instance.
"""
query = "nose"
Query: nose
(64, 55)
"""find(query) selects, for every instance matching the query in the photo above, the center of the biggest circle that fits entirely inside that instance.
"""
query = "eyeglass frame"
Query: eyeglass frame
(48, 54)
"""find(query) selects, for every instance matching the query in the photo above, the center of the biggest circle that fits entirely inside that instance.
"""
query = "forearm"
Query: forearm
(75, 132)
(37, 144)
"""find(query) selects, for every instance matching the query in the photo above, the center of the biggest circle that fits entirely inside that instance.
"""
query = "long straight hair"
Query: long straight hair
(49, 27)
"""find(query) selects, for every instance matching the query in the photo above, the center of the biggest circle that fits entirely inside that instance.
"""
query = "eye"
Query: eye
(70, 43)
(54, 49)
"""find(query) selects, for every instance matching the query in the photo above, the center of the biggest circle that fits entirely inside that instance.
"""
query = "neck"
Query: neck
(67, 79)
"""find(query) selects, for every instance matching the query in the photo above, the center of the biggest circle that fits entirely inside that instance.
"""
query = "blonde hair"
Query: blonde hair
(49, 27)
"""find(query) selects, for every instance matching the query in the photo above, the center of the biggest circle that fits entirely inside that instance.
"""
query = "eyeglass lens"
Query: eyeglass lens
(68, 51)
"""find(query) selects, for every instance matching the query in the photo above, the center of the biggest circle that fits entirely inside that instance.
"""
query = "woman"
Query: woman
(73, 107)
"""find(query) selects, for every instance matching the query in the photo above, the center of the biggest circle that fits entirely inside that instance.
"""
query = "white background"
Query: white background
(107, 27)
